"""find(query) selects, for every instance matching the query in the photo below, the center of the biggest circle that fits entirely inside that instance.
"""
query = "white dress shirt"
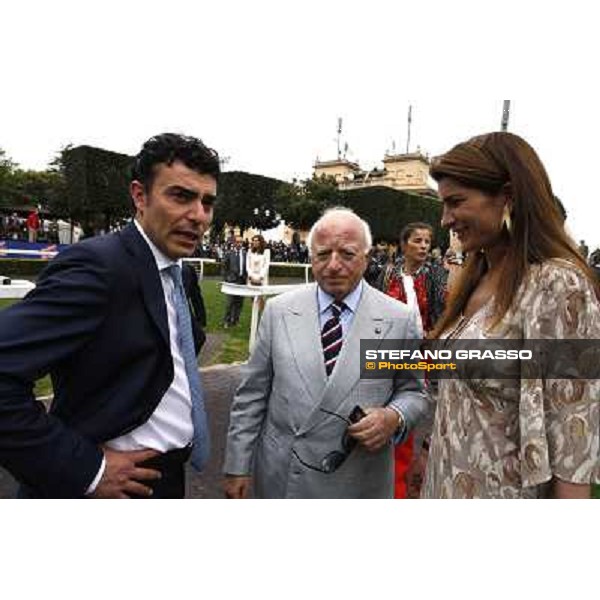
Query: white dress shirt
(325, 300)
(170, 425)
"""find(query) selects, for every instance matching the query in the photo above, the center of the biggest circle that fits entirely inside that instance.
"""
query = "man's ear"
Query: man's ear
(138, 195)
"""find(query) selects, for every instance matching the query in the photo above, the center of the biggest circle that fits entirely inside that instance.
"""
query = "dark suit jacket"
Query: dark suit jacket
(231, 267)
(97, 323)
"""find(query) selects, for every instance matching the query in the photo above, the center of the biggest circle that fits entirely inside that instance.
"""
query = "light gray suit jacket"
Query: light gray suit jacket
(277, 407)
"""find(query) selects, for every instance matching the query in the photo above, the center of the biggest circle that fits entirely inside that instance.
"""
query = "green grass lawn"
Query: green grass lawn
(235, 339)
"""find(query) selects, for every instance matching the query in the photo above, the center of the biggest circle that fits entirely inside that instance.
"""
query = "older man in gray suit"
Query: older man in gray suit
(290, 430)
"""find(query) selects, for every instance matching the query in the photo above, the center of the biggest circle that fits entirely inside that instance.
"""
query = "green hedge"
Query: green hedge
(25, 267)
(387, 211)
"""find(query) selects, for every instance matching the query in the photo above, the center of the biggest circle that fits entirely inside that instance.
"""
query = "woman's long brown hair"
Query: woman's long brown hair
(488, 163)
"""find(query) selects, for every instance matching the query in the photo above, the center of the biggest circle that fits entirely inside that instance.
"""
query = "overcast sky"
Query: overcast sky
(264, 82)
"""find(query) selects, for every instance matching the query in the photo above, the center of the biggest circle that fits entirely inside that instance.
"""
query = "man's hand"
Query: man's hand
(236, 487)
(122, 476)
(375, 430)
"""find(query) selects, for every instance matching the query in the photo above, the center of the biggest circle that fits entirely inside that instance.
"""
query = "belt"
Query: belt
(166, 460)
(170, 464)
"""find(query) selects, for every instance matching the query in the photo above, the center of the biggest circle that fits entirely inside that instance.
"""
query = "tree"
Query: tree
(239, 194)
(37, 187)
(301, 204)
(7, 192)
(96, 186)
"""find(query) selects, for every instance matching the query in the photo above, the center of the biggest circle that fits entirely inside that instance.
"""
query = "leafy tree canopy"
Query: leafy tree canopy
(239, 193)
(301, 204)
(96, 186)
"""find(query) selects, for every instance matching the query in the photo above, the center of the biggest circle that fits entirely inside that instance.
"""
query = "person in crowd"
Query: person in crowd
(109, 321)
(77, 232)
(234, 271)
(413, 278)
(33, 225)
(14, 226)
(288, 431)
(378, 259)
(64, 231)
(583, 249)
(258, 260)
(420, 284)
(523, 279)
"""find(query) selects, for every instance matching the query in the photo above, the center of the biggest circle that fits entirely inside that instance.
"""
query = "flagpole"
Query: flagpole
(505, 115)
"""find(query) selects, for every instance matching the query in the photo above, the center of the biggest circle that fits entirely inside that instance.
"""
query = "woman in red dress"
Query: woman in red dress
(421, 284)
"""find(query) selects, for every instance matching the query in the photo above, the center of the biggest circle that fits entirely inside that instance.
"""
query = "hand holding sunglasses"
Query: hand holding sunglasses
(375, 429)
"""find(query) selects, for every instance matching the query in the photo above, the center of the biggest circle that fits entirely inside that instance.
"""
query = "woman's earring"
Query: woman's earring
(506, 220)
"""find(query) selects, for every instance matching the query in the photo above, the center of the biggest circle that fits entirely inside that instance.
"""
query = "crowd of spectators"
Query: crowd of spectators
(279, 251)
(51, 231)
(59, 231)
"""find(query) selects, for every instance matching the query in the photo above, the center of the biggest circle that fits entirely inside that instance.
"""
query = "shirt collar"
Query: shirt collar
(325, 300)
(162, 262)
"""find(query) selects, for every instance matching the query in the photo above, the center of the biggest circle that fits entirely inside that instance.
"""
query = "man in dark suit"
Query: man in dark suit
(109, 321)
(234, 271)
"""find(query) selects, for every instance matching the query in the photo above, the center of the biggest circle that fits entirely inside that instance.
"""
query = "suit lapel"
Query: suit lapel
(366, 324)
(304, 335)
(149, 277)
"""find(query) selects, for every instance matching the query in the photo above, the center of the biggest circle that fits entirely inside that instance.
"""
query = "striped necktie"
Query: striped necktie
(185, 339)
(331, 337)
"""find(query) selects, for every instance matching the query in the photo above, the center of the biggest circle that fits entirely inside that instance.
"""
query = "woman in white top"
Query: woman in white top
(257, 264)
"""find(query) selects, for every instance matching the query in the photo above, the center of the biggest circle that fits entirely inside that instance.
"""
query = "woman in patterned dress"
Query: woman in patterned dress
(421, 284)
(525, 280)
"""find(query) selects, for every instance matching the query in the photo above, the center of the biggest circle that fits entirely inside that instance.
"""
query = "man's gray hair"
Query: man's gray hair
(340, 210)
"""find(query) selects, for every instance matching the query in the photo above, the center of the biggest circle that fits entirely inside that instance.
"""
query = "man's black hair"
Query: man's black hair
(167, 148)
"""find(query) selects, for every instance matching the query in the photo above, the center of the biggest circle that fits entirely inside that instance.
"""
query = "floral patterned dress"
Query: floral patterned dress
(509, 438)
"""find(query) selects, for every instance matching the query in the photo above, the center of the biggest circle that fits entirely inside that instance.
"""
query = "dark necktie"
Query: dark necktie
(331, 337)
(201, 446)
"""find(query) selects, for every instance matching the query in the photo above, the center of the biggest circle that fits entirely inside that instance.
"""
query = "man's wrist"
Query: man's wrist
(401, 429)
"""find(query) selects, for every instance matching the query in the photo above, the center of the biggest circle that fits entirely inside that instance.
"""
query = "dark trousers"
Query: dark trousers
(172, 468)
(233, 308)
(171, 484)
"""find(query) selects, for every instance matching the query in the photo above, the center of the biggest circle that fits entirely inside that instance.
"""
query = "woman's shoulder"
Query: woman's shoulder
(557, 274)
(560, 301)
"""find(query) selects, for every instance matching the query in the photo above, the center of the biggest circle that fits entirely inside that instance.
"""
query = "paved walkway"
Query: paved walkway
(220, 383)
